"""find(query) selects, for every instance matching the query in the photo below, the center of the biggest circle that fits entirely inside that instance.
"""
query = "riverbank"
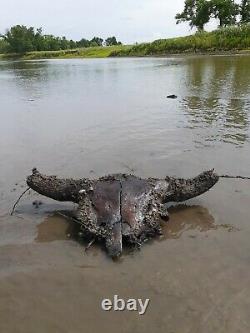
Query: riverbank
(230, 40)
(226, 40)
(89, 52)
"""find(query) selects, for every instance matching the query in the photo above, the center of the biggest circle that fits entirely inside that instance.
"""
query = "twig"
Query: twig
(13, 209)
(128, 167)
(89, 244)
(77, 221)
(234, 177)
(69, 217)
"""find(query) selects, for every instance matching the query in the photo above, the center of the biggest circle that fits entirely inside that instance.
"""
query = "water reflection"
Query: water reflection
(26, 76)
(24, 70)
(218, 97)
(55, 227)
(183, 218)
(192, 219)
(58, 226)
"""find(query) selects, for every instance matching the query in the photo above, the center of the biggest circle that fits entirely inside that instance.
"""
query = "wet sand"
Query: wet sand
(197, 274)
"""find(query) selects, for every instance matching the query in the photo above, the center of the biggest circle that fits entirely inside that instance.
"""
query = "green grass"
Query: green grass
(221, 40)
(90, 52)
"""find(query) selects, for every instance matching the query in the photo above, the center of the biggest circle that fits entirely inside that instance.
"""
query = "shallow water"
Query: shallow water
(87, 118)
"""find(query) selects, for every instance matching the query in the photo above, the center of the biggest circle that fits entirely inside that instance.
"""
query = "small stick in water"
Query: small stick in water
(90, 244)
(13, 209)
(234, 177)
(68, 217)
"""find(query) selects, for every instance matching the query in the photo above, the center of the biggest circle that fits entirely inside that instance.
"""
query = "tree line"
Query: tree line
(228, 12)
(22, 39)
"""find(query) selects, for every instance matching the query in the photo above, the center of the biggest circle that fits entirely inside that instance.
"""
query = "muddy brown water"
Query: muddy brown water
(87, 118)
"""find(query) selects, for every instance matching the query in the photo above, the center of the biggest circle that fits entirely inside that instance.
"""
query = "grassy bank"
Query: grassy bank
(90, 52)
(230, 39)
(221, 40)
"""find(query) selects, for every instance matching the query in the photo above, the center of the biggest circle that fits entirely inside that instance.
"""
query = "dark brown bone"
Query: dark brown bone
(121, 205)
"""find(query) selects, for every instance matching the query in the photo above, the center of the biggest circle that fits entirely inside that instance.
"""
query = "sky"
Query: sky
(129, 20)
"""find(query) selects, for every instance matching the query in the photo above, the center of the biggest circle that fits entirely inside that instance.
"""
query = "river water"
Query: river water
(87, 118)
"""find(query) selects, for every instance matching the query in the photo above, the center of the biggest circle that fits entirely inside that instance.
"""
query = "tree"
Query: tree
(20, 39)
(112, 41)
(39, 40)
(226, 11)
(96, 41)
(51, 43)
(83, 43)
(3, 45)
(245, 11)
(196, 12)
(64, 43)
(72, 44)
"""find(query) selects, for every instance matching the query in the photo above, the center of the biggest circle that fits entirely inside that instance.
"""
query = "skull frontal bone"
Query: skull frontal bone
(115, 208)
(137, 202)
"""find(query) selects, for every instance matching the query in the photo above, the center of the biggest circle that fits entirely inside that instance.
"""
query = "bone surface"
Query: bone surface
(121, 207)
